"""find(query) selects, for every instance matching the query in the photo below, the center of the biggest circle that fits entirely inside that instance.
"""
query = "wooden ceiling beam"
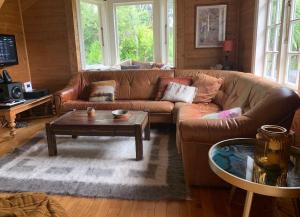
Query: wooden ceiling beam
(26, 4)
(1, 3)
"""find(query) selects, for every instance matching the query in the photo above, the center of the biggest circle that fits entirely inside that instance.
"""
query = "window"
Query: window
(135, 32)
(293, 49)
(113, 31)
(91, 34)
(170, 33)
(278, 41)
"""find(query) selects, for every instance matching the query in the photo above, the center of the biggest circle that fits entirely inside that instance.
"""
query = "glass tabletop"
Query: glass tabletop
(236, 157)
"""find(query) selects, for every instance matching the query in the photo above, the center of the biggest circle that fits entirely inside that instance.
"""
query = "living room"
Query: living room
(149, 108)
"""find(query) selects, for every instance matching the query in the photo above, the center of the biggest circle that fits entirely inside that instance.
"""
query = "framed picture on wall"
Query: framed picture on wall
(210, 25)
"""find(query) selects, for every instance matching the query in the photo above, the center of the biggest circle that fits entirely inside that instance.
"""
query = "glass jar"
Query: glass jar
(271, 155)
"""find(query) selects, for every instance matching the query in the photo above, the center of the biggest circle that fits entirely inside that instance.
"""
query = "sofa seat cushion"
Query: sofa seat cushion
(195, 111)
(151, 106)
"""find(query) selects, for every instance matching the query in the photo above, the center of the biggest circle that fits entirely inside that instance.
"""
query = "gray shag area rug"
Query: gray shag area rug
(97, 167)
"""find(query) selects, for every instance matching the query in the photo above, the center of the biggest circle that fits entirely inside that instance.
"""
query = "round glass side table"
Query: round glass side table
(232, 160)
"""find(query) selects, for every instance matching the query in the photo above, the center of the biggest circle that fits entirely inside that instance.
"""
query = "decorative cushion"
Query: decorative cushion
(30, 204)
(208, 88)
(179, 93)
(230, 113)
(102, 91)
(164, 81)
(130, 67)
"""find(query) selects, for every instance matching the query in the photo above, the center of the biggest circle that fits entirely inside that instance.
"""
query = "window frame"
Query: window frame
(117, 3)
(81, 32)
(109, 30)
(261, 44)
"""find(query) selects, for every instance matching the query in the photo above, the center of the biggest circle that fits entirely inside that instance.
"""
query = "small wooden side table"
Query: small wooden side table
(232, 160)
(10, 113)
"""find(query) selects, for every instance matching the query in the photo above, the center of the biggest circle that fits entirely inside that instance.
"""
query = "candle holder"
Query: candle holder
(271, 155)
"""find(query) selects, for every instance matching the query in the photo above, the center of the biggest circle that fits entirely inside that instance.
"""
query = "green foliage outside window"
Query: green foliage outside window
(91, 26)
(135, 32)
(296, 31)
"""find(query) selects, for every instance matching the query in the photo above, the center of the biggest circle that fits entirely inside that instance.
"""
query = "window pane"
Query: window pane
(135, 32)
(293, 69)
(295, 37)
(90, 24)
(275, 11)
(273, 38)
(271, 65)
(296, 13)
(171, 32)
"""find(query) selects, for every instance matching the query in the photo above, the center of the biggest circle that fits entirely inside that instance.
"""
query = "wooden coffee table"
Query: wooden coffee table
(77, 123)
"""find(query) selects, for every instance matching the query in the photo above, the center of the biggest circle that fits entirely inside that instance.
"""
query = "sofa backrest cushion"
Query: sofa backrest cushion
(131, 84)
(259, 99)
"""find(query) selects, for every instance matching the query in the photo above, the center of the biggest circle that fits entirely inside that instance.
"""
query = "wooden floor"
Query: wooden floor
(204, 202)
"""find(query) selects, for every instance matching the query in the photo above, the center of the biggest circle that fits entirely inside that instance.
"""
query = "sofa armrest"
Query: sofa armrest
(70, 92)
(64, 95)
(212, 131)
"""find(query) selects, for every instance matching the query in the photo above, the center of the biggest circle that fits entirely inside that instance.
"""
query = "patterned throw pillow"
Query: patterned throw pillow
(102, 91)
(208, 88)
(230, 113)
(164, 81)
(179, 93)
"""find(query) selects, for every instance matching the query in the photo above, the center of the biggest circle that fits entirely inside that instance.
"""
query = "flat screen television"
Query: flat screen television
(8, 50)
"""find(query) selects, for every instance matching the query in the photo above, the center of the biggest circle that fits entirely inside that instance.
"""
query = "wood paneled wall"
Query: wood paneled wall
(45, 25)
(11, 23)
(246, 34)
(187, 55)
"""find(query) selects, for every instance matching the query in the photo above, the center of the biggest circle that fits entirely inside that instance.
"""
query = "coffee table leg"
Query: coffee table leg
(52, 149)
(139, 142)
(248, 203)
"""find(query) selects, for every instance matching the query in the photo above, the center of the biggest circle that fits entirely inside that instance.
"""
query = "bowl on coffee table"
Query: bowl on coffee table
(120, 113)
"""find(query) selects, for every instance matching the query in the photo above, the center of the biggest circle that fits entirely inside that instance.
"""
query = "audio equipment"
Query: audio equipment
(6, 77)
(11, 91)
(35, 94)
(27, 86)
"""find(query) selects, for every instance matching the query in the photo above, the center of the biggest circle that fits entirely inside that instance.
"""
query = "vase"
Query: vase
(91, 112)
(271, 155)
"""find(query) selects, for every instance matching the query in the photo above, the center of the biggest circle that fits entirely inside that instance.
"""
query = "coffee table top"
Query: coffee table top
(102, 118)
(232, 160)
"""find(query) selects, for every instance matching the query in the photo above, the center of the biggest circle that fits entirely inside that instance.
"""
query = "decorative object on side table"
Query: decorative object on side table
(271, 155)
(233, 160)
(227, 48)
(210, 25)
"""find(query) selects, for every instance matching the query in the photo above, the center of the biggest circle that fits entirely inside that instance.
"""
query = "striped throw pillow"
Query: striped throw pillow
(103, 91)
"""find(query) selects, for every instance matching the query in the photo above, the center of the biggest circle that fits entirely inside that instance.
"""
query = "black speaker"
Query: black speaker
(35, 94)
(12, 91)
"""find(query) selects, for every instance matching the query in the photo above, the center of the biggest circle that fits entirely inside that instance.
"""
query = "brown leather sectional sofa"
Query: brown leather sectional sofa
(262, 102)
